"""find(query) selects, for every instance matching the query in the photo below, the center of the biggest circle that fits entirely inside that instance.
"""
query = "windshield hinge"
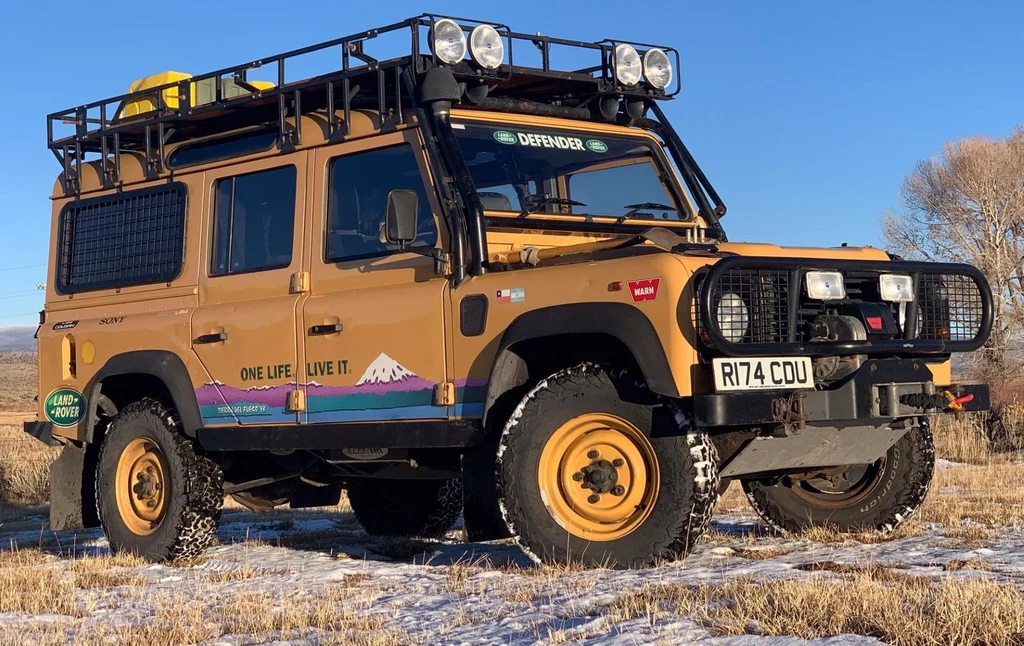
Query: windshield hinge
(443, 263)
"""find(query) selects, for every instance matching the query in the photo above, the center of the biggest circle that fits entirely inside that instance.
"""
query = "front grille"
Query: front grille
(759, 305)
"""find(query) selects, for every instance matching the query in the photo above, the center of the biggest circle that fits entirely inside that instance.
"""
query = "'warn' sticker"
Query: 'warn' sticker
(644, 290)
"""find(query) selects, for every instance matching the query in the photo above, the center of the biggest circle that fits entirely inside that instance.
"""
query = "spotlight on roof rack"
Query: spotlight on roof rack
(657, 68)
(627, 65)
(447, 41)
(486, 47)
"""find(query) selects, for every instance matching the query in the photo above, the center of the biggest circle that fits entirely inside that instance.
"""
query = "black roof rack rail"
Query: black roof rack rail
(360, 81)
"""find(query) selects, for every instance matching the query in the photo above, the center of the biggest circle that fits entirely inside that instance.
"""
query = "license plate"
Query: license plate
(763, 373)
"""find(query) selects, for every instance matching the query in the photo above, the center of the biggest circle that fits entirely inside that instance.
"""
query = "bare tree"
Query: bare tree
(968, 206)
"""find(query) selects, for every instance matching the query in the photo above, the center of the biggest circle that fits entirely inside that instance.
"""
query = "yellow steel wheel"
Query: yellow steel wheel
(598, 476)
(141, 486)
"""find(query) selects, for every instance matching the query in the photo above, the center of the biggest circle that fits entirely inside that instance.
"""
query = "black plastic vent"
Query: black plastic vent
(130, 238)
(473, 311)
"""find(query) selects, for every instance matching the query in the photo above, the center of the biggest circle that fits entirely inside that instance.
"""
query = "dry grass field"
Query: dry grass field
(953, 575)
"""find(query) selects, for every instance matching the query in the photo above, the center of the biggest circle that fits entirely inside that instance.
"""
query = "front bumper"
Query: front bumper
(873, 393)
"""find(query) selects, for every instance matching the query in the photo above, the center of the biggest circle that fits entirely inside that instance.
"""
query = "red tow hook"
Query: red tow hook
(957, 403)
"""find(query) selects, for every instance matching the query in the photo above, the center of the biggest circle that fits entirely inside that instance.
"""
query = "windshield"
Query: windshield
(527, 171)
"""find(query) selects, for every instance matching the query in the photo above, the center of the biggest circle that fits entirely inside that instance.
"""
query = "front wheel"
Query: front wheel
(879, 496)
(156, 496)
(596, 470)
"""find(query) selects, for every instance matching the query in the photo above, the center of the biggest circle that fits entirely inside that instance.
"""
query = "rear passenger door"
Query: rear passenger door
(374, 321)
(243, 331)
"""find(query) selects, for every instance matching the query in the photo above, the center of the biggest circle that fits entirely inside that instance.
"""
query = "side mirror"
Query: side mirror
(400, 223)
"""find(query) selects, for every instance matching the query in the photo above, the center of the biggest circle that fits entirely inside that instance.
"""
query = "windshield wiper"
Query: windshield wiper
(531, 206)
(637, 208)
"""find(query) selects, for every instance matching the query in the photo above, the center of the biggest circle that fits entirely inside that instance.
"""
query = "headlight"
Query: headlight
(447, 41)
(896, 288)
(733, 317)
(627, 65)
(486, 47)
(825, 285)
(657, 68)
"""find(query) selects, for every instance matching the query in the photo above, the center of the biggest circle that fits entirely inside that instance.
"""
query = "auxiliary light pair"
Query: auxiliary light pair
(486, 48)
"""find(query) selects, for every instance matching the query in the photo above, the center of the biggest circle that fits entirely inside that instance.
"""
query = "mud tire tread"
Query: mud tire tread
(692, 480)
(194, 507)
(406, 508)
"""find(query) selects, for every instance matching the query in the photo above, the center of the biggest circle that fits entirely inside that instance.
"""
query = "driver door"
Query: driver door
(375, 319)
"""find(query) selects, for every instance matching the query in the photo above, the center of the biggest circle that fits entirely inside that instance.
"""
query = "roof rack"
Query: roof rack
(359, 81)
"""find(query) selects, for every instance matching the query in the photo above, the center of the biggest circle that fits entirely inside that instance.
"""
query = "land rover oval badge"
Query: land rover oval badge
(64, 407)
(505, 137)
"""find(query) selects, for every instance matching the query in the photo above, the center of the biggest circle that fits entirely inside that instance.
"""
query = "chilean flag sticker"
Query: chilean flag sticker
(644, 290)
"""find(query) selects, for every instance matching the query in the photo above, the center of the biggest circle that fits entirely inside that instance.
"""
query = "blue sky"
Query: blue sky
(805, 115)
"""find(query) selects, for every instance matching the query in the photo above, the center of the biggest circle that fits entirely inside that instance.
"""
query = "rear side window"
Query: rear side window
(130, 238)
(254, 222)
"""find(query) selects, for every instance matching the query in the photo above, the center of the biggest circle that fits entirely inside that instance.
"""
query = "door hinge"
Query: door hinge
(296, 401)
(299, 282)
(444, 394)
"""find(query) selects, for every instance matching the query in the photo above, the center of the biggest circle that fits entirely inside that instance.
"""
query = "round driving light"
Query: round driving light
(486, 47)
(627, 65)
(657, 68)
(733, 317)
(447, 41)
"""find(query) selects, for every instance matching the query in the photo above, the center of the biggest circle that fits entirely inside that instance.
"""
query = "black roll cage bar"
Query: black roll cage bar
(392, 87)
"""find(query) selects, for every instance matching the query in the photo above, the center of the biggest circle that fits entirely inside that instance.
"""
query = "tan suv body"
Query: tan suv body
(525, 299)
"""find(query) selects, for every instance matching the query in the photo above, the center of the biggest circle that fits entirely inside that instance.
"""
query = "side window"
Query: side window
(254, 221)
(130, 238)
(360, 184)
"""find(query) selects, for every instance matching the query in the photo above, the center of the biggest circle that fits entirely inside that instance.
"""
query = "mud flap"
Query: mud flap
(481, 515)
(72, 495)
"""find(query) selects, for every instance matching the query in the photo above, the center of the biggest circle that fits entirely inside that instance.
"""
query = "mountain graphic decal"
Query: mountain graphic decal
(384, 370)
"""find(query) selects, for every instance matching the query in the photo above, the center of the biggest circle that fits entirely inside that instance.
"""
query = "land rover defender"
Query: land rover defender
(479, 273)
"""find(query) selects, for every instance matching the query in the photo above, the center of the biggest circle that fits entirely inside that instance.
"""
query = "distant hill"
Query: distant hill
(17, 339)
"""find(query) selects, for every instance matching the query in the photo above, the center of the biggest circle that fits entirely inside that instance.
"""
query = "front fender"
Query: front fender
(619, 320)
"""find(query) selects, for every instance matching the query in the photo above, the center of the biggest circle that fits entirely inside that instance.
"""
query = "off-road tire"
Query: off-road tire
(902, 485)
(406, 508)
(195, 484)
(687, 463)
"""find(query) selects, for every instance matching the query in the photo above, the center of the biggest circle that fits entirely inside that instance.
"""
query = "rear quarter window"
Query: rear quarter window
(130, 238)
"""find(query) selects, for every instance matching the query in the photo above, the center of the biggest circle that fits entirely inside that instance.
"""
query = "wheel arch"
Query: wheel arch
(129, 376)
(529, 342)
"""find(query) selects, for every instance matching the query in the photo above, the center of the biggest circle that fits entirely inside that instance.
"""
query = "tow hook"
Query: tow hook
(789, 411)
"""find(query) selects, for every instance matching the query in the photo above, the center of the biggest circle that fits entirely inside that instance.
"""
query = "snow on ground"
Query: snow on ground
(451, 592)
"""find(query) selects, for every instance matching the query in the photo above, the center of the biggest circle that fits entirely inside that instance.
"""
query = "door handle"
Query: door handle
(330, 328)
(211, 338)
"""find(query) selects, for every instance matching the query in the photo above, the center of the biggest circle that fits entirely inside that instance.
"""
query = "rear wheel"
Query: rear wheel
(595, 470)
(423, 508)
(879, 496)
(155, 495)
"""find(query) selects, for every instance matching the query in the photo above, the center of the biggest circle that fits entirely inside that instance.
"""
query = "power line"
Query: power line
(13, 295)
(22, 267)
